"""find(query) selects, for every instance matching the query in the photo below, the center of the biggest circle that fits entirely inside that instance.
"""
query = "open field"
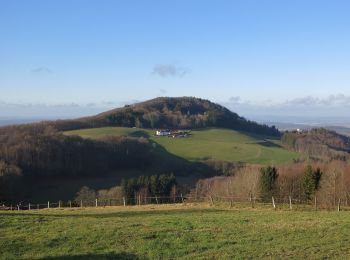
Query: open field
(174, 231)
(213, 143)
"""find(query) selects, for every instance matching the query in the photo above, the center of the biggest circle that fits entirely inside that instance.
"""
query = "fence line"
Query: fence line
(274, 201)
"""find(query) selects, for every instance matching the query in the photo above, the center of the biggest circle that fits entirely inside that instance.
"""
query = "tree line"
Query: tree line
(39, 152)
(142, 189)
(329, 182)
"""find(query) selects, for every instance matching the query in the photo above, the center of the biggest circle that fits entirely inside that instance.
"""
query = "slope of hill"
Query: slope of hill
(318, 142)
(169, 112)
(207, 144)
(40, 151)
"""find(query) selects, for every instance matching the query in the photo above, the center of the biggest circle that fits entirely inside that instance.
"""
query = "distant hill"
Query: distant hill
(170, 112)
(318, 142)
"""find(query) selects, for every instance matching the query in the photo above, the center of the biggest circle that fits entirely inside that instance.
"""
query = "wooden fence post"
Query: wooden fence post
(70, 204)
(182, 198)
(315, 202)
(211, 200)
(81, 203)
(17, 207)
(48, 204)
(231, 203)
(251, 200)
(273, 202)
(59, 204)
(29, 206)
(156, 199)
(96, 203)
(339, 204)
(290, 202)
(124, 201)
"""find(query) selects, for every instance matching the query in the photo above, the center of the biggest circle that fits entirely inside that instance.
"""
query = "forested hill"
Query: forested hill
(318, 142)
(166, 112)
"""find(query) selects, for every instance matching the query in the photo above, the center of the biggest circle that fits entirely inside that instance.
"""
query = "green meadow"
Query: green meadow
(196, 231)
(212, 143)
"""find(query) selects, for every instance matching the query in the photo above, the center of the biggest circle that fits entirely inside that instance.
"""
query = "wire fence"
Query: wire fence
(252, 201)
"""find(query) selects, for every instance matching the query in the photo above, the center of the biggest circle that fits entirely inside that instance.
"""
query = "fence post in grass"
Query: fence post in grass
(273, 202)
(17, 207)
(81, 203)
(339, 204)
(156, 199)
(290, 202)
(211, 200)
(29, 206)
(96, 203)
(59, 204)
(124, 201)
(37, 206)
(182, 198)
(315, 202)
(231, 203)
(48, 204)
(70, 204)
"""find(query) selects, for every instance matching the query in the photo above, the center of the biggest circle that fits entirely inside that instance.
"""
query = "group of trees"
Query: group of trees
(32, 153)
(318, 143)
(142, 187)
(311, 179)
(328, 181)
(184, 112)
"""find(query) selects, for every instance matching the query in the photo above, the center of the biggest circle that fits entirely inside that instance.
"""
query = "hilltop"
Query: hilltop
(169, 112)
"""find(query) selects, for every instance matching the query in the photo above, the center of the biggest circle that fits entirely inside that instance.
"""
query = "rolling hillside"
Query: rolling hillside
(207, 144)
(169, 112)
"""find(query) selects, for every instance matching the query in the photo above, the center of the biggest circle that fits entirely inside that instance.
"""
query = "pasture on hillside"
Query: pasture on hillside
(188, 231)
(205, 144)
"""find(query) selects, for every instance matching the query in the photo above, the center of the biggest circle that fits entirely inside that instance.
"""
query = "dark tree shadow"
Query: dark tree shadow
(139, 133)
(122, 256)
(266, 143)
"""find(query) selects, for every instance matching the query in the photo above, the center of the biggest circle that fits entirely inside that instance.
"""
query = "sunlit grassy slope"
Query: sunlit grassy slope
(174, 232)
(213, 143)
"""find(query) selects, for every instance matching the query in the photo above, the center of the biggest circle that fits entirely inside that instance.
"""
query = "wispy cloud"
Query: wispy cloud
(42, 70)
(332, 105)
(170, 70)
(332, 100)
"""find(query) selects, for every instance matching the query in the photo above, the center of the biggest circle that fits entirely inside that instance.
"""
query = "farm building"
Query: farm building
(163, 132)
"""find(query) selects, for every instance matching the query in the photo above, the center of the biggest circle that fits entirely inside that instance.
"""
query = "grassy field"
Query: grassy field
(216, 144)
(177, 231)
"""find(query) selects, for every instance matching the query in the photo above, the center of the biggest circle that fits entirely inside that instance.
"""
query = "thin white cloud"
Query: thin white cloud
(331, 100)
(170, 70)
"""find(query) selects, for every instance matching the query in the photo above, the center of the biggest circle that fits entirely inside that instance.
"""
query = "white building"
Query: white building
(162, 132)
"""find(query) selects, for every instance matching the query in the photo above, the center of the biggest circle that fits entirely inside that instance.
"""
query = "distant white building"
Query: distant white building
(162, 133)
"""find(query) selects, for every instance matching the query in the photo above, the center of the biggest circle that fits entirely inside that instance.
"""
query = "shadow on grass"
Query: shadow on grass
(118, 214)
(266, 143)
(125, 256)
(139, 133)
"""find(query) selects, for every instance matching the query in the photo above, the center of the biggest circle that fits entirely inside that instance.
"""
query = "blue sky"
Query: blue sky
(253, 56)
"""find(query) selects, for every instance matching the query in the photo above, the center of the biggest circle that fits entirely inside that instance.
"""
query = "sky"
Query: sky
(67, 58)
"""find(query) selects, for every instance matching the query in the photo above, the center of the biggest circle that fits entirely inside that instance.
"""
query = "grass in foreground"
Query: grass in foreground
(211, 143)
(178, 231)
